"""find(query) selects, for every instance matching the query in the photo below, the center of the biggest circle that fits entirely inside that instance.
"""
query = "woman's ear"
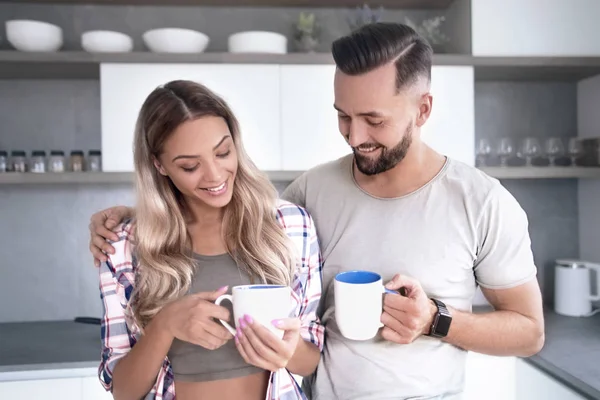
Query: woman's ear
(159, 167)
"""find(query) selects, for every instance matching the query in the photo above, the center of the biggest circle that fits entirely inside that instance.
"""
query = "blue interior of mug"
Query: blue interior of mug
(357, 277)
(261, 287)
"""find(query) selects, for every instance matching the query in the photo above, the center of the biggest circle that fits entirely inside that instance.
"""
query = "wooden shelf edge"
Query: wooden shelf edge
(109, 178)
(84, 65)
(543, 172)
(391, 4)
(117, 178)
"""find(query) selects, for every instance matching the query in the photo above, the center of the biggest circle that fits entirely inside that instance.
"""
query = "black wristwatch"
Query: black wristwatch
(441, 321)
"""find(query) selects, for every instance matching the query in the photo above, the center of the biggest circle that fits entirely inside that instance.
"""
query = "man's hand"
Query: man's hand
(406, 318)
(101, 225)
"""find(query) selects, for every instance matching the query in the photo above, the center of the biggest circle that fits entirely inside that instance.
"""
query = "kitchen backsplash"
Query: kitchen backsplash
(46, 268)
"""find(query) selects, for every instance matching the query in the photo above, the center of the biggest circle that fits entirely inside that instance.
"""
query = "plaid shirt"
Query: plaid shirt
(116, 284)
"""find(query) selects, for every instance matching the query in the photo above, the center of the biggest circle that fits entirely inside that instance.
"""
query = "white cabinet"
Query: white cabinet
(47, 389)
(91, 389)
(285, 112)
(309, 123)
(252, 91)
(533, 384)
(80, 388)
(535, 27)
(489, 377)
(450, 129)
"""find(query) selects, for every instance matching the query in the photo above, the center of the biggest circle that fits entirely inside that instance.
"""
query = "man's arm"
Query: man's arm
(506, 272)
(515, 327)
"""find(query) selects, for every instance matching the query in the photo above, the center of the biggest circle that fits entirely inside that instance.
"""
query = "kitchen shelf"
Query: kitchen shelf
(283, 176)
(396, 4)
(83, 65)
(86, 178)
(542, 172)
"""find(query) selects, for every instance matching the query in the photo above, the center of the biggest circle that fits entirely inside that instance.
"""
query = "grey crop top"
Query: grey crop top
(193, 363)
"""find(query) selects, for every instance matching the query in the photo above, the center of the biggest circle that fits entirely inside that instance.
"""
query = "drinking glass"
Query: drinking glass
(575, 150)
(505, 150)
(484, 149)
(531, 149)
(554, 149)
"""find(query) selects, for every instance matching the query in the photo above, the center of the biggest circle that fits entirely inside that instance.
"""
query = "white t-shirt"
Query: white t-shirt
(461, 229)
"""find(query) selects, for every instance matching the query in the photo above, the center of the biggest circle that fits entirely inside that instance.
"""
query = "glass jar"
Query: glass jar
(18, 161)
(56, 163)
(94, 161)
(3, 161)
(76, 162)
(37, 163)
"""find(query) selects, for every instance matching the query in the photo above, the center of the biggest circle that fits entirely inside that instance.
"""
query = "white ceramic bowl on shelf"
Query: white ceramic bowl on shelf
(257, 42)
(106, 42)
(31, 35)
(175, 40)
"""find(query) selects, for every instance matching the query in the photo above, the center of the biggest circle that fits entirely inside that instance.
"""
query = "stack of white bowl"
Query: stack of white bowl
(30, 35)
(39, 36)
(257, 42)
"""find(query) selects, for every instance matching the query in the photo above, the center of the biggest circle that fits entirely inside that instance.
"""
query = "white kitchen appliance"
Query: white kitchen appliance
(573, 294)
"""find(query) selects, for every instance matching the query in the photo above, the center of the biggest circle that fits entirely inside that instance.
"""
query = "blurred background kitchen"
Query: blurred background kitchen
(516, 87)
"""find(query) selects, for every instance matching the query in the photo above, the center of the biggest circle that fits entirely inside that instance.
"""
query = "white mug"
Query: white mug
(359, 303)
(264, 303)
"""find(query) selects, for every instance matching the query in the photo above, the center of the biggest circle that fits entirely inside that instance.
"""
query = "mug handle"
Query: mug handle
(218, 302)
(387, 291)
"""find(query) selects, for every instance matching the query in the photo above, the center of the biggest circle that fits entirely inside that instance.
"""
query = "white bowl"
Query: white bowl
(175, 40)
(106, 42)
(257, 42)
(30, 35)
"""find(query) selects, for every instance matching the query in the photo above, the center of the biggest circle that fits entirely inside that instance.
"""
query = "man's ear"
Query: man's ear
(159, 167)
(426, 103)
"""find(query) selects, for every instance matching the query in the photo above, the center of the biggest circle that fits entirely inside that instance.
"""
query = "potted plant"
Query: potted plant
(430, 30)
(306, 33)
(363, 16)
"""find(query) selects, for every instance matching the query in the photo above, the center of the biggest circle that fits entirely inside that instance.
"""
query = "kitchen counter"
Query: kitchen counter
(52, 349)
(570, 355)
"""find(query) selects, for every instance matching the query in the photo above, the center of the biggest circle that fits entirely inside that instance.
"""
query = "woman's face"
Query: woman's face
(201, 161)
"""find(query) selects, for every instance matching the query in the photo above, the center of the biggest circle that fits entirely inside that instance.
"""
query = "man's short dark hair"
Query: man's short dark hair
(377, 44)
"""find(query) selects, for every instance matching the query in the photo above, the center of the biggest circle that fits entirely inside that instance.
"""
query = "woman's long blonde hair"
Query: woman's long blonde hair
(253, 237)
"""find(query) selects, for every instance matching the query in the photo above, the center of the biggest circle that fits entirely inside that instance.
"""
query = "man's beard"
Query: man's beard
(388, 158)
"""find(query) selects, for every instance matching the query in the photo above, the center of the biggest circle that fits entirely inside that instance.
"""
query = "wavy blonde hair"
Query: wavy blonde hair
(253, 236)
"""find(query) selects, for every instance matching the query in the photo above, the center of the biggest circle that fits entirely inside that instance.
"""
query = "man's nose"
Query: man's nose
(356, 135)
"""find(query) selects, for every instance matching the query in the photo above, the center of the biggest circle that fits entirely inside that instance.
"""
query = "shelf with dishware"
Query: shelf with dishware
(397, 4)
(85, 65)
(98, 178)
(120, 178)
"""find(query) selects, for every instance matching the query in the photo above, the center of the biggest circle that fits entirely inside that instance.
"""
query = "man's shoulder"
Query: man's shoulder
(325, 170)
(470, 179)
(477, 187)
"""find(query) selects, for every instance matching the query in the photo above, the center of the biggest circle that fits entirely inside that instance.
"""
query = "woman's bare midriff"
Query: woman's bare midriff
(251, 387)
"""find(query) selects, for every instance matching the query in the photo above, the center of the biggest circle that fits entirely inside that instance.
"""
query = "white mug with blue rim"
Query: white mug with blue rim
(359, 303)
(264, 303)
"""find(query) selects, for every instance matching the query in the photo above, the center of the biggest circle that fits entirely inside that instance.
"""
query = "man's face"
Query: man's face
(379, 123)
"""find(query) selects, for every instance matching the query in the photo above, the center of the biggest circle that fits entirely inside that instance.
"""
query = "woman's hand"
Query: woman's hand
(261, 348)
(191, 319)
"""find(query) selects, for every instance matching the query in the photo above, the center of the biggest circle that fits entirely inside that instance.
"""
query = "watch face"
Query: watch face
(443, 324)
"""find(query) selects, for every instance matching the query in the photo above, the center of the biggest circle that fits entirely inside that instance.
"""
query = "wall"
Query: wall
(217, 22)
(541, 110)
(44, 260)
(588, 100)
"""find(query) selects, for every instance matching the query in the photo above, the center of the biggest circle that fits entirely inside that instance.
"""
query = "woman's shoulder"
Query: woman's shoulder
(291, 213)
(124, 246)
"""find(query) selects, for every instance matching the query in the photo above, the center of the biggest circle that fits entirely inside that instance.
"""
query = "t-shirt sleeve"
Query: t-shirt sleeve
(296, 191)
(504, 258)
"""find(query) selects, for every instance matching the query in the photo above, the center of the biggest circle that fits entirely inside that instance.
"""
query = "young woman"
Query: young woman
(206, 218)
